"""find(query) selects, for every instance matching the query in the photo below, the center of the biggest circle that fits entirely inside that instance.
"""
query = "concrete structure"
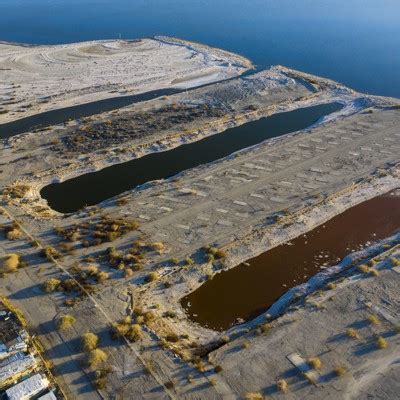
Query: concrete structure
(28, 388)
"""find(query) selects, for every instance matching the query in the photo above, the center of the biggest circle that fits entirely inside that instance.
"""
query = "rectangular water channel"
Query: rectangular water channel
(92, 188)
(246, 291)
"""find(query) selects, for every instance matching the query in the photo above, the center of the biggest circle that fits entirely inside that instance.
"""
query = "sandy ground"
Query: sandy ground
(309, 175)
(40, 78)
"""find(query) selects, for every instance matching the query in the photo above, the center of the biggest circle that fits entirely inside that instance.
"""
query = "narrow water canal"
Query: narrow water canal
(58, 116)
(246, 291)
(92, 188)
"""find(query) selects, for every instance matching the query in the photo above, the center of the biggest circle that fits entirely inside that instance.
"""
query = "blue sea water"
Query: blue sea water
(356, 42)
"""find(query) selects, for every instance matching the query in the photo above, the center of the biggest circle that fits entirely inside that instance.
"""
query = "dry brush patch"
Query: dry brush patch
(97, 230)
(66, 322)
(11, 263)
(13, 231)
(96, 357)
(89, 341)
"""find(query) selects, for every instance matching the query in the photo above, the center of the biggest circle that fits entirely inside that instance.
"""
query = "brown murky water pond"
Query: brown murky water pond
(246, 291)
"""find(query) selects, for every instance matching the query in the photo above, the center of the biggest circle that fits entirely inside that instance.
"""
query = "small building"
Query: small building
(19, 343)
(15, 366)
(28, 388)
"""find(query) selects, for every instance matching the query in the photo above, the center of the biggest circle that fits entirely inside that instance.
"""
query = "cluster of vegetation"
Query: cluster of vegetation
(133, 261)
(93, 233)
(95, 357)
(137, 125)
(13, 231)
(213, 253)
(81, 283)
(100, 380)
(131, 327)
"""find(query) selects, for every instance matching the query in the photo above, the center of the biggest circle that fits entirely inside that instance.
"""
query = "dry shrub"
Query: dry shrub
(51, 284)
(315, 363)
(66, 322)
(282, 386)
(100, 383)
(310, 377)
(128, 272)
(225, 339)
(122, 327)
(69, 284)
(111, 236)
(213, 381)
(394, 262)
(89, 341)
(174, 261)
(102, 276)
(119, 329)
(92, 270)
(149, 316)
(14, 234)
(134, 333)
(352, 333)
(152, 276)
(216, 253)
(340, 371)
(245, 345)
(264, 328)
(200, 366)
(67, 247)
(158, 246)
(189, 261)
(363, 268)
(381, 343)
(373, 319)
(331, 286)
(11, 263)
(50, 253)
(374, 272)
(96, 357)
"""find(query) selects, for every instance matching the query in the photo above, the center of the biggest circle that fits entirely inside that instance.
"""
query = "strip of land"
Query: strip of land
(41, 78)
